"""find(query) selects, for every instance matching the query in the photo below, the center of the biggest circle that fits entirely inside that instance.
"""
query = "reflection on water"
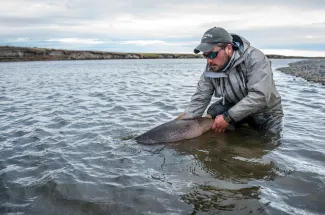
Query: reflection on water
(214, 200)
(231, 156)
(235, 158)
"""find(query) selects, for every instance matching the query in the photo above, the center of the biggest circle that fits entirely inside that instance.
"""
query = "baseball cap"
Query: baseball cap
(211, 38)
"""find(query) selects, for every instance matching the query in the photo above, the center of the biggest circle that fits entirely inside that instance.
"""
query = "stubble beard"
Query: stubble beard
(218, 68)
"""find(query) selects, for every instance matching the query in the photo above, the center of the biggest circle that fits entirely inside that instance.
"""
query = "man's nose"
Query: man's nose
(209, 60)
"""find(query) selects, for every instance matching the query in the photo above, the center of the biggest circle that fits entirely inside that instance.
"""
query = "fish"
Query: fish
(176, 130)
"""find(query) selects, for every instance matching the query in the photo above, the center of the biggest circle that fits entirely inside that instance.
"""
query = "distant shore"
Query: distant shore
(311, 70)
(13, 53)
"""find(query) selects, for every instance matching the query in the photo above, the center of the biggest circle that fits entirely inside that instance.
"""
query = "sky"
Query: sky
(291, 27)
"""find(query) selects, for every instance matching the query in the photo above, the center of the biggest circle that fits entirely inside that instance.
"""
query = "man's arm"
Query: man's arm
(200, 99)
(260, 83)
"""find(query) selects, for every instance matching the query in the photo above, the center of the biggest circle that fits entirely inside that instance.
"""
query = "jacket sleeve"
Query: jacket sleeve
(201, 98)
(259, 85)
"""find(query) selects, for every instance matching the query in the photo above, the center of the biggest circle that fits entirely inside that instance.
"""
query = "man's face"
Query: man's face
(222, 58)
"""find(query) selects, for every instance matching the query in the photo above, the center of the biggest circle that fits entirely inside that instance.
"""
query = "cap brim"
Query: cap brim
(204, 47)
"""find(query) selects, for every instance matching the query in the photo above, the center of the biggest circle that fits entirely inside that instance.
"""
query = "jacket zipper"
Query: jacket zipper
(232, 89)
(240, 88)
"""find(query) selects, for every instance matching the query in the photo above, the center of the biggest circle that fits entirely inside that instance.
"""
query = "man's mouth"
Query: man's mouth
(214, 66)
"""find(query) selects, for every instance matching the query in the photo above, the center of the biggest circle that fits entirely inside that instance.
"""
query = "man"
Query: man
(242, 76)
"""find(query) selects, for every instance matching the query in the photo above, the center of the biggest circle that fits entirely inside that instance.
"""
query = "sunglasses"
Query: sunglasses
(213, 55)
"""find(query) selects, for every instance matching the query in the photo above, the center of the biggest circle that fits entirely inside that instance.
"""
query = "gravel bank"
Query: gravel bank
(311, 70)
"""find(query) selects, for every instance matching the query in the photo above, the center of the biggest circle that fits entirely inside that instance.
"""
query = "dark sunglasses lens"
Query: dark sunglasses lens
(212, 55)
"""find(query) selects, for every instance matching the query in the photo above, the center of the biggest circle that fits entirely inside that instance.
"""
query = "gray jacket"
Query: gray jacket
(247, 84)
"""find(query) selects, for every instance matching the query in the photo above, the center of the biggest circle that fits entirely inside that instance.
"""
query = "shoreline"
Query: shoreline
(310, 70)
(15, 54)
(12, 54)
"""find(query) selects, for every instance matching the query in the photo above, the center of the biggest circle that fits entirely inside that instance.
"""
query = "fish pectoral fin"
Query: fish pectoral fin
(181, 116)
(208, 116)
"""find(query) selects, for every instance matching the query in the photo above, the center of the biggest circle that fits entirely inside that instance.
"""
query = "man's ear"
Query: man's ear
(229, 50)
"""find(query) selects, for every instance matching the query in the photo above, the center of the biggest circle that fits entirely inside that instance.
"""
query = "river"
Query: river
(67, 147)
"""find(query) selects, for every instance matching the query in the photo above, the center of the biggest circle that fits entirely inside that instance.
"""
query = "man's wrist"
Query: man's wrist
(227, 117)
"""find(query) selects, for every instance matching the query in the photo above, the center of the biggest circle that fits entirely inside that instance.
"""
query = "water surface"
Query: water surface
(67, 147)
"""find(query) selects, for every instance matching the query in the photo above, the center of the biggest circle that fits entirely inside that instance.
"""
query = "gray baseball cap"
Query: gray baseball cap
(211, 38)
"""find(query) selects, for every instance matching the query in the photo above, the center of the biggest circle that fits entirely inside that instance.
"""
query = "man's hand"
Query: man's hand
(219, 124)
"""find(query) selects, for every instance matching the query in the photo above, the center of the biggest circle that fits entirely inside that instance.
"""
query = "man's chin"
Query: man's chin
(215, 69)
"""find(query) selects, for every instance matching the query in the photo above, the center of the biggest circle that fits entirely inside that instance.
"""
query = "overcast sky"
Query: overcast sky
(290, 27)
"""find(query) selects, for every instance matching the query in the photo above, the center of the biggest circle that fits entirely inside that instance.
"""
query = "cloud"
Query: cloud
(295, 52)
(20, 39)
(77, 41)
(318, 37)
(144, 23)
(156, 42)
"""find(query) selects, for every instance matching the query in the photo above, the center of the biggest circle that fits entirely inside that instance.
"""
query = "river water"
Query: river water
(67, 147)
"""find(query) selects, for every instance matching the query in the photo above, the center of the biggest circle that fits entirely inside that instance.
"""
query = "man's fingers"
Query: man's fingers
(214, 125)
(219, 130)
